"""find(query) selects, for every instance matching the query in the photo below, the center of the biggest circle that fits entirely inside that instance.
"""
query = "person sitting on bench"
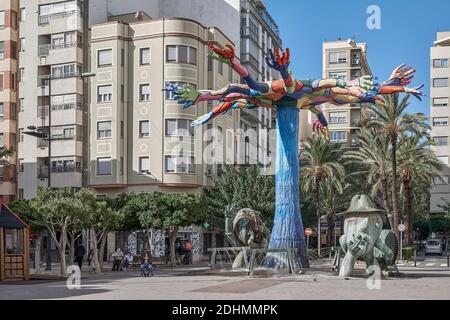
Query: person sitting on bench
(146, 265)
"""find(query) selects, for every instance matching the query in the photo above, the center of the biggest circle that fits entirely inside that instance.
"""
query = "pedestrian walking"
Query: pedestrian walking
(80, 251)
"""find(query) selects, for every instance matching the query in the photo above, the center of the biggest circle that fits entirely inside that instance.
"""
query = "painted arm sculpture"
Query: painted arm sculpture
(310, 94)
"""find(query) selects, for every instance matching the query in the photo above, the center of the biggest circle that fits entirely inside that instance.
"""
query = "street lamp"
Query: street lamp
(41, 135)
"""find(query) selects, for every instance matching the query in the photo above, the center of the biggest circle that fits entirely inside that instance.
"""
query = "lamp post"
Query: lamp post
(41, 135)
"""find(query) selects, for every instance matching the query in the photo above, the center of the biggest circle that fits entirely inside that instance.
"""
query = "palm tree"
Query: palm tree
(416, 163)
(321, 160)
(392, 120)
(4, 154)
(374, 155)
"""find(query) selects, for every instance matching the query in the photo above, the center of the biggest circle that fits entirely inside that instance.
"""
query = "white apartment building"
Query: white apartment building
(346, 60)
(439, 115)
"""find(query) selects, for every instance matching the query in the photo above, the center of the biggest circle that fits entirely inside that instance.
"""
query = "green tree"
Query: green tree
(393, 121)
(321, 160)
(4, 155)
(25, 210)
(241, 187)
(416, 163)
(375, 156)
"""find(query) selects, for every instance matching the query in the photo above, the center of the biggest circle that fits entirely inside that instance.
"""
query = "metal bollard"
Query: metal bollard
(415, 262)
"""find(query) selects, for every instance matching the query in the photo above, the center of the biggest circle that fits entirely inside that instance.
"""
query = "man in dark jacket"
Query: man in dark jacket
(80, 251)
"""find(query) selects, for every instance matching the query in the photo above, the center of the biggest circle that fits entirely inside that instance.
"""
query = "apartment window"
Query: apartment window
(219, 135)
(210, 64)
(2, 110)
(144, 129)
(104, 166)
(13, 81)
(441, 180)
(104, 58)
(13, 111)
(144, 92)
(2, 19)
(440, 82)
(23, 14)
(65, 70)
(2, 50)
(180, 164)
(338, 57)
(338, 136)
(103, 129)
(22, 44)
(144, 165)
(443, 159)
(220, 68)
(104, 93)
(171, 96)
(69, 133)
(440, 122)
(440, 63)
(338, 117)
(440, 102)
(121, 129)
(65, 102)
(441, 141)
(338, 75)
(144, 56)
(179, 127)
(181, 54)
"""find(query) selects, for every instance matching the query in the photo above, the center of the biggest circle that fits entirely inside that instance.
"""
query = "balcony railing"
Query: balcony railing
(44, 49)
(43, 110)
(66, 169)
(60, 15)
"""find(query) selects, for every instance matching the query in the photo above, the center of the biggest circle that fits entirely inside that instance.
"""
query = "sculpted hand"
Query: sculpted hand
(279, 61)
(402, 75)
(321, 128)
(224, 55)
(415, 92)
(202, 120)
(186, 96)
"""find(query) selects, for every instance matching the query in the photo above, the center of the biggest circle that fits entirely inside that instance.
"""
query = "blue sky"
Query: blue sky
(408, 30)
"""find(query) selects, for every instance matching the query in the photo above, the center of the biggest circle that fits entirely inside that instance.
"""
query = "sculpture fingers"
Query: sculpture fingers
(202, 120)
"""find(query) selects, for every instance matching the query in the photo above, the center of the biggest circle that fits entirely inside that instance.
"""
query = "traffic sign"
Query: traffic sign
(308, 232)
(401, 227)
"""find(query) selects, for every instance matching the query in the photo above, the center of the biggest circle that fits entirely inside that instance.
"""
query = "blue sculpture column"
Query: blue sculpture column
(287, 229)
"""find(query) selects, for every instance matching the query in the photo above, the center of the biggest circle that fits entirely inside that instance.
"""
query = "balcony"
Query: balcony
(45, 19)
(44, 49)
(249, 58)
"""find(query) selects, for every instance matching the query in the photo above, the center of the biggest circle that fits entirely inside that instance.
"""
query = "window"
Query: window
(144, 129)
(440, 122)
(210, 63)
(104, 166)
(144, 56)
(338, 117)
(104, 93)
(69, 133)
(181, 54)
(338, 57)
(338, 75)
(144, 92)
(22, 44)
(338, 136)
(440, 63)
(443, 159)
(220, 68)
(219, 135)
(104, 130)
(2, 19)
(2, 110)
(179, 127)
(23, 14)
(104, 58)
(440, 102)
(13, 81)
(180, 164)
(441, 141)
(440, 82)
(65, 70)
(144, 165)
(441, 180)
(13, 50)
(2, 50)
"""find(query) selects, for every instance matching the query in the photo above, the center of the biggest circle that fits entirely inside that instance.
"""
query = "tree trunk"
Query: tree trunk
(173, 237)
(407, 211)
(94, 246)
(384, 191)
(331, 234)
(101, 252)
(394, 186)
(71, 240)
(317, 197)
(62, 253)
(37, 254)
(287, 231)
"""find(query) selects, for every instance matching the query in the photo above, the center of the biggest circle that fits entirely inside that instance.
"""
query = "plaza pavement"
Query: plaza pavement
(200, 283)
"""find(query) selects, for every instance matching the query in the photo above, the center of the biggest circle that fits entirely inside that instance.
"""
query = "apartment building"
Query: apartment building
(347, 60)
(53, 35)
(141, 139)
(439, 114)
(9, 42)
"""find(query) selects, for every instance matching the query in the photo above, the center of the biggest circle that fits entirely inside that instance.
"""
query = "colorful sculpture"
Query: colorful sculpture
(364, 237)
(288, 96)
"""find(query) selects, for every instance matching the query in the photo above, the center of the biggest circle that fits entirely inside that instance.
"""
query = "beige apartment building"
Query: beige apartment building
(439, 115)
(347, 60)
(140, 138)
(9, 41)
